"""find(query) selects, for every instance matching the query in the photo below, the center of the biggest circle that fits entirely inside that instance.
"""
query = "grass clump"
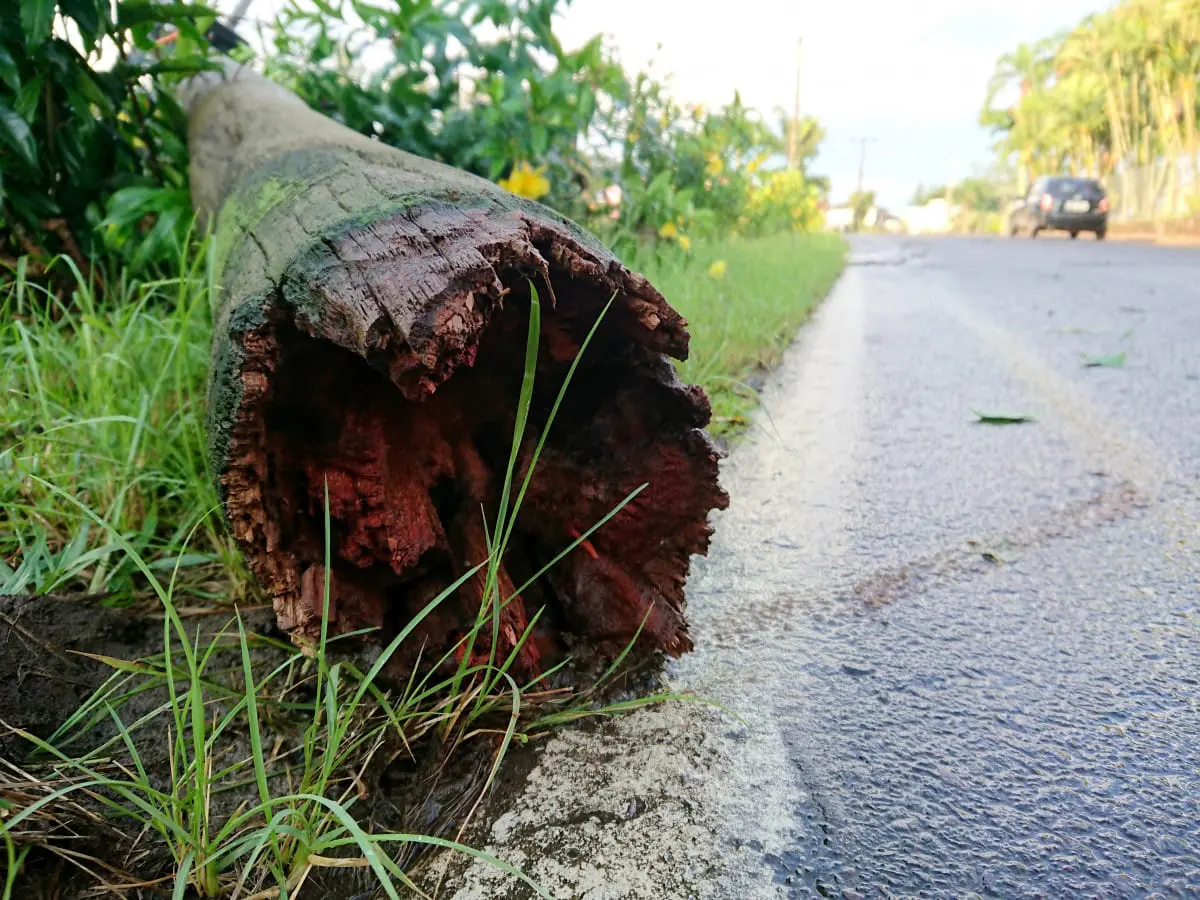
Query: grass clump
(744, 299)
(106, 400)
(291, 800)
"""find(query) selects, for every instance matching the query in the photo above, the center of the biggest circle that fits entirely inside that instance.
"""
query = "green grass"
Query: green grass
(742, 322)
(104, 491)
(294, 812)
(108, 403)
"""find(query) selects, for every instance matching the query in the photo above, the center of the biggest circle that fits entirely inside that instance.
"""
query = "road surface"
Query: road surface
(964, 658)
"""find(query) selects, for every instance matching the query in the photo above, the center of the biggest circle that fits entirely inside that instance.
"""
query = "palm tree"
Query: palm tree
(1027, 67)
(1117, 96)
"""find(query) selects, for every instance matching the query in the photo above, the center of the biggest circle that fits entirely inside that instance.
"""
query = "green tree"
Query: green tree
(923, 195)
(861, 202)
(91, 158)
(1118, 100)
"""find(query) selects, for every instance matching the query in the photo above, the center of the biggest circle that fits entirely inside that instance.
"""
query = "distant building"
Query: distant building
(839, 218)
(935, 217)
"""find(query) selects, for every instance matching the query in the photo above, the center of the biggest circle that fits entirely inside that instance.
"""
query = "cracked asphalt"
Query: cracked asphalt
(953, 659)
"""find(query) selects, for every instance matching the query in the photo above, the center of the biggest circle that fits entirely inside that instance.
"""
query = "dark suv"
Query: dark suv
(1061, 203)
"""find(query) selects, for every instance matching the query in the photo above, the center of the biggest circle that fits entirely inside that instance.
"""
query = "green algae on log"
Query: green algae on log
(370, 336)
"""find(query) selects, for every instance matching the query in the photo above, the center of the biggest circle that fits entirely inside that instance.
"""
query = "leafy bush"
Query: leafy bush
(483, 85)
(92, 143)
(686, 173)
(92, 154)
(784, 201)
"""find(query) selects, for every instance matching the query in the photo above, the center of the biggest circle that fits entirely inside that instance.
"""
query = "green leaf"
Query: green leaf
(29, 97)
(86, 14)
(161, 240)
(999, 418)
(8, 71)
(183, 561)
(136, 12)
(15, 133)
(77, 153)
(130, 205)
(37, 17)
(541, 139)
(1112, 361)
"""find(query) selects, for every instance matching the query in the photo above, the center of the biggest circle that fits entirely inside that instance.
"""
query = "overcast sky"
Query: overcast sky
(911, 75)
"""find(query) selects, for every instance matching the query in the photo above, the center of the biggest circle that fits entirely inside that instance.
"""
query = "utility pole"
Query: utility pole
(794, 131)
(862, 158)
(860, 213)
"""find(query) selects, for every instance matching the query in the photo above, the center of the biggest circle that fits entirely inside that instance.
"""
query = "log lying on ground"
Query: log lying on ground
(370, 336)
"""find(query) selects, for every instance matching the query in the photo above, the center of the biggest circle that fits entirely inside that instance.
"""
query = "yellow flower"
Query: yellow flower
(685, 242)
(526, 181)
(713, 164)
(668, 230)
(717, 269)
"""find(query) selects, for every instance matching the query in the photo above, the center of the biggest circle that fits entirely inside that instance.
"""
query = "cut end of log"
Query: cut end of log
(385, 369)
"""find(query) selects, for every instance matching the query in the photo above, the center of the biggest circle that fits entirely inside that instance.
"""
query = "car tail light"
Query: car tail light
(1047, 202)
(1103, 204)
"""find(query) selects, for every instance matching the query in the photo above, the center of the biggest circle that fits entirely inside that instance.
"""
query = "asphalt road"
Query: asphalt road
(965, 657)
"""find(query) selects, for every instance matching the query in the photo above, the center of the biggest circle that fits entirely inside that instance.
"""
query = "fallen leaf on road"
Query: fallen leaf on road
(995, 418)
(998, 559)
(1113, 361)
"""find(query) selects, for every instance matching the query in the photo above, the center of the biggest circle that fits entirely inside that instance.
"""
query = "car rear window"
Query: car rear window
(1069, 187)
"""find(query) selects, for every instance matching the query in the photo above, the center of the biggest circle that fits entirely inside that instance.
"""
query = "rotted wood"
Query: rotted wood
(370, 334)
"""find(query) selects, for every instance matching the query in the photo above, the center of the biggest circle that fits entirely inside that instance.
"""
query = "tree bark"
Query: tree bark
(370, 337)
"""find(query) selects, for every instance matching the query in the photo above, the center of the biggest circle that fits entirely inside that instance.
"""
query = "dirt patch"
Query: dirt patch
(52, 660)
(44, 674)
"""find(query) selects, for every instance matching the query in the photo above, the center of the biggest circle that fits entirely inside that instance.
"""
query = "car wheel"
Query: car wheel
(1074, 235)
(1100, 234)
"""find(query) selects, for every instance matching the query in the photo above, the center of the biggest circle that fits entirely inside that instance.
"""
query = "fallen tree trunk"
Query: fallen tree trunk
(370, 336)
